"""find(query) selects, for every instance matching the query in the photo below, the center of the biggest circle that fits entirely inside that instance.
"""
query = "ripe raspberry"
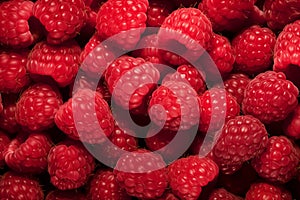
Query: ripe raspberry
(157, 12)
(4, 142)
(291, 125)
(188, 175)
(262, 191)
(257, 16)
(174, 105)
(270, 97)
(241, 139)
(13, 71)
(65, 195)
(37, 106)
(8, 116)
(77, 117)
(128, 19)
(222, 194)
(253, 49)
(157, 141)
(278, 162)
(235, 84)
(15, 186)
(69, 165)
(104, 186)
(61, 62)
(61, 19)
(142, 174)
(124, 139)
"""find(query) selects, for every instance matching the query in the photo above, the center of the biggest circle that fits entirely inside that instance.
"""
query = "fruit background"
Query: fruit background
(56, 90)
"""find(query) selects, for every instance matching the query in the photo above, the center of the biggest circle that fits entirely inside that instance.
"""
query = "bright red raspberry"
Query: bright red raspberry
(15, 186)
(86, 117)
(61, 19)
(278, 162)
(14, 76)
(125, 18)
(142, 174)
(291, 125)
(188, 175)
(270, 97)
(124, 139)
(37, 106)
(241, 139)
(157, 12)
(4, 142)
(69, 165)
(8, 115)
(104, 185)
(61, 62)
(263, 190)
(65, 195)
(222, 194)
(253, 49)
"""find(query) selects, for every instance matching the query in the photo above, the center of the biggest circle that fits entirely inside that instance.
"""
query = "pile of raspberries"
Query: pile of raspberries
(64, 93)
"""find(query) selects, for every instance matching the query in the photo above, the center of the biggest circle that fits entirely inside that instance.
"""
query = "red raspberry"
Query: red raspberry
(241, 139)
(76, 117)
(174, 105)
(216, 107)
(291, 125)
(8, 116)
(262, 191)
(1, 105)
(142, 174)
(257, 17)
(37, 106)
(61, 62)
(157, 12)
(4, 142)
(235, 84)
(65, 195)
(14, 186)
(124, 139)
(128, 19)
(260, 43)
(13, 71)
(157, 141)
(69, 165)
(270, 97)
(188, 175)
(61, 19)
(222, 194)
(104, 185)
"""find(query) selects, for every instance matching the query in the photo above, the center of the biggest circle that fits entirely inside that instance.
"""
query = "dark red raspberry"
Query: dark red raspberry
(61, 19)
(124, 139)
(13, 185)
(222, 194)
(270, 97)
(157, 141)
(142, 174)
(256, 17)
(86, 117)
(8, 115)
(168, 195)
(4, 142)
(1, 105)
(37, 106)
(188, 175)
(69, 165)
(253, 49)
(157, 12)
(65, 195)
(104, 185)
(291, 125)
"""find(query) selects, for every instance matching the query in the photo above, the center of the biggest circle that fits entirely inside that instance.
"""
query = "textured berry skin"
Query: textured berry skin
(291, 125)
(61, 62)
(13, 71)
(65, 195)
(278, 162)
(188, 175)
(125, 15)
(69, 165)
(262, 191)
(157, 12)
(8, 116)
(61, 19)
(156, 141)
(4, 142)
(104, 185)
(174, 105)
(74, 117)
(270, 97)
(242, 138)
(37, 106)
(235, 84)
(14, 186)
(216, 106)
(124, 139)
(222, 194)
(253, 49)
(142, 174)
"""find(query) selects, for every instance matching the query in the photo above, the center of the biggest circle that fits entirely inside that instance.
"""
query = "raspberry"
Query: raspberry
(4, 142)
(65, 195)
(1, 105)
(124, 139)
(61, 63)
(37, 106)
(157, 12)
(8, 116)
(61, 19)
(188, 175)
(262, 190)
(104, 186)
(15, 186)
(278, 162)
(77, 117)
(128, 19)
(142, 174)
(13, 71)
(291, 125)
(270, 97)
(69, 165)
(222, 194)
(156, 141)
(254, 50)
(241, 139)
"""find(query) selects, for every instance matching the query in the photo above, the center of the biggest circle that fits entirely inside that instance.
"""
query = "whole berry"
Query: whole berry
(270, 97)
(291, 125)
(222, 194)
(65, 195)
(4, 142)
